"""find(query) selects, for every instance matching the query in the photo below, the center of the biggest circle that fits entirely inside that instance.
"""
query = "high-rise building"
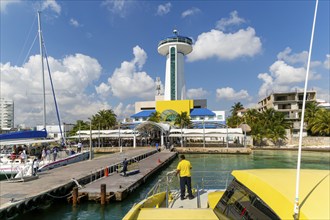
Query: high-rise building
(6, 114)
(175, 48)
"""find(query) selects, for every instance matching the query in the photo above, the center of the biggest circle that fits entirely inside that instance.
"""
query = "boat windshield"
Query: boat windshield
(238, 202)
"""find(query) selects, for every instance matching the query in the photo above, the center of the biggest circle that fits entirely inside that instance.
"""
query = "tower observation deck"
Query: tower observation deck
(175, 48)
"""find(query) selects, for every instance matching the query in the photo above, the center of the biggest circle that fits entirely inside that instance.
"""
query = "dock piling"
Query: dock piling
(103, 193)
(74, 196)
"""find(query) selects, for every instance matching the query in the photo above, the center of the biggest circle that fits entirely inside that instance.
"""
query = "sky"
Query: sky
(103, 54)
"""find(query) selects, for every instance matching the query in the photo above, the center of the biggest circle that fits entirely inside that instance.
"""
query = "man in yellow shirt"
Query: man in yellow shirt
(183, 169)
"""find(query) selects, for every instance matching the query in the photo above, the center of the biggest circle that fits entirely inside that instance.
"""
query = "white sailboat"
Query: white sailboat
(17, 168)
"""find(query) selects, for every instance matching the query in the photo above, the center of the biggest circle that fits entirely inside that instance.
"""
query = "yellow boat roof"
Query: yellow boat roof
(277, 188)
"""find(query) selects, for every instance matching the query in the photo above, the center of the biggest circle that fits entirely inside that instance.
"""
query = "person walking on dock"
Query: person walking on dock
(55, 151)
(125, 164)
(35, 166)
(79, 146)
(183, 169)
(43, 154)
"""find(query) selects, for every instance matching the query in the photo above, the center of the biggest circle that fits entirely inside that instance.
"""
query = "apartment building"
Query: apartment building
(290, 103)
(6, 114)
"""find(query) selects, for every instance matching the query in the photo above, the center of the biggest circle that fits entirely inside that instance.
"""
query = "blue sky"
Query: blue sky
(103, 54)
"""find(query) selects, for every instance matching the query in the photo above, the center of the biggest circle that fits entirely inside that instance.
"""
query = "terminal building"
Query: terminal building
(209, 127)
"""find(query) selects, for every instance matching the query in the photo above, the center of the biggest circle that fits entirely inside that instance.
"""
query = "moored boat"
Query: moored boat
(252, 194)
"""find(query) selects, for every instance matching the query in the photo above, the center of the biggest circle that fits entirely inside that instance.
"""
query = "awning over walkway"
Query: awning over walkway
(201, 112)
(143, 114)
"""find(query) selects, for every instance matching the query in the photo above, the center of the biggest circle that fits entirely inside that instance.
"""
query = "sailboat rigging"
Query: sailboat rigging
(42, 55)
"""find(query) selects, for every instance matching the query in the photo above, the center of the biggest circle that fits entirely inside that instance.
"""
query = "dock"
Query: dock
(19, 197)
(118, 187)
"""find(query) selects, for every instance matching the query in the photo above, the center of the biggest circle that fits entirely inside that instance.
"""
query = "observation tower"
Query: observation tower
(175, 48)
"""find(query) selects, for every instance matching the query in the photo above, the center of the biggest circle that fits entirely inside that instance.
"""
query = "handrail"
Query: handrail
(207, 180)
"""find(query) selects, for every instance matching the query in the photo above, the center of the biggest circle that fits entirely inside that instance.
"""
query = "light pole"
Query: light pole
(203, 134)
(119, 142)
(99, 133)
(227, 136)
(181, 133)
(90, 140)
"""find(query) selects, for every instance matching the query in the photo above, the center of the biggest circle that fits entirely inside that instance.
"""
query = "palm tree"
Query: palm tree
(234, 120)
(155, 117)
(275, 124)
(235, 108)
(80, 125)
(104, 119)
(310, 111)
(321, 123)
(183, 120)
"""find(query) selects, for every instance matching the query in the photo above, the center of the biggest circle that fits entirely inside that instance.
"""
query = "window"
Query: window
(173, 74)
(238, 202)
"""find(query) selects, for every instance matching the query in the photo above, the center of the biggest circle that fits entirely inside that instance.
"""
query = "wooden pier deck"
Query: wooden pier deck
(15, 197)
(120, 186)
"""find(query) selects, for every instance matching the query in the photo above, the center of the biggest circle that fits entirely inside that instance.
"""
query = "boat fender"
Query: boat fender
(12, 212)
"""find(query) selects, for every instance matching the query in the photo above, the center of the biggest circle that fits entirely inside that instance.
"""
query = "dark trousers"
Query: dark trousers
(184, 180)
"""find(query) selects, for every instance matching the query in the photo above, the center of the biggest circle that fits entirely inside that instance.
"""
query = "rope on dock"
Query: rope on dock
(59, 197)
(76, 182)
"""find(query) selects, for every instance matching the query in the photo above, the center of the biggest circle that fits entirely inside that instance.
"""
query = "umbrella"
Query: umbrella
(245, 127)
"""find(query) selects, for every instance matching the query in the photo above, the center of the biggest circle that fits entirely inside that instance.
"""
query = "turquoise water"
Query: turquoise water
(200, 162)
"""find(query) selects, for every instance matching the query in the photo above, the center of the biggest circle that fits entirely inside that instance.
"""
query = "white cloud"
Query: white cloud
(128, 81)
(4, 4)
(103, 89)
(296, 58)
(116, 6)
(196, 93)
(226, 46)
(190, 12)
(230, 94)
(52, 5)
(234, 20)
(326, 62)
(74, 22)
(164, 9)
(292, 58)
(286, 74)
(124, 111)
(71, 77)
(283, 77)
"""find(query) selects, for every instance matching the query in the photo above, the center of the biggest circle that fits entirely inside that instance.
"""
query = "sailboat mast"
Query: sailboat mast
(42, 70)
(296, 205)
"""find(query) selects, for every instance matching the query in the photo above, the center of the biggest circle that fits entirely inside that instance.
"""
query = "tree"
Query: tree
(275, 125)
(310, 111)
(234, 120)
(80, 125)
(235, 108)
(104, 119)
(321, 123)
(183, 120)
(155, 117)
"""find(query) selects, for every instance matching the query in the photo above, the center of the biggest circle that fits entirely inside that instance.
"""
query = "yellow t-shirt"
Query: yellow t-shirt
(184, 166)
